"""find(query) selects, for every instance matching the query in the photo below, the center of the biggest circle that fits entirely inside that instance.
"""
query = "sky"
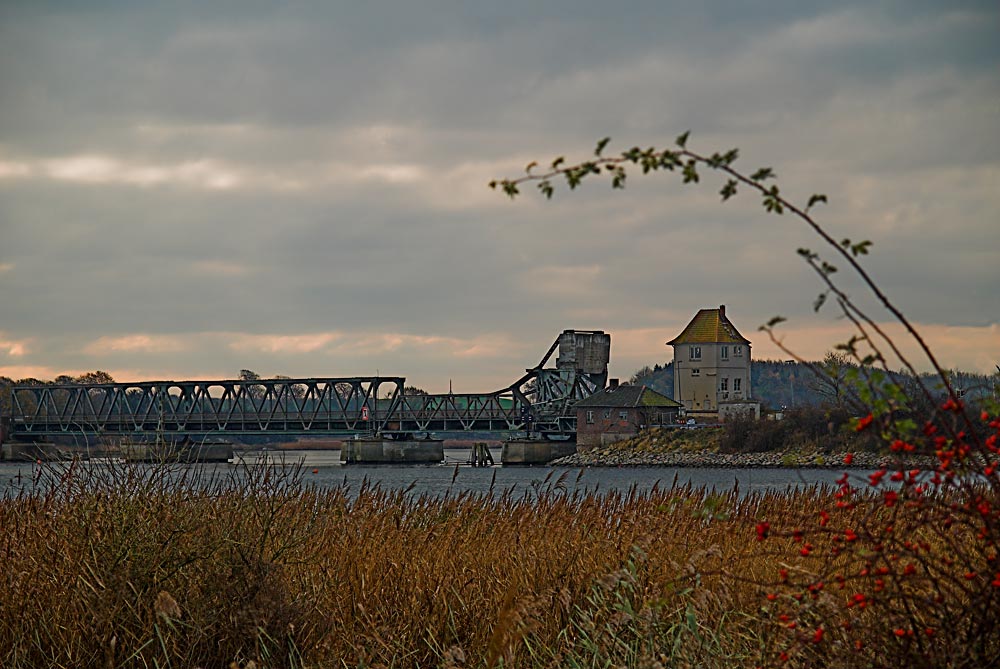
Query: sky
(189, 189)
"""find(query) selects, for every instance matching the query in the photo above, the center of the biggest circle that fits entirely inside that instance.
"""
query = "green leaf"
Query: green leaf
(861, 248)
(573, 178)
(816, 198)
(510, 188)
(669, 160)
(728, 190)
(682, 138)
(762, 173)
(618, 181)
(557, 162)
(528, 167)
(775, 320)
(820, 299)
(600, 146)
(546, 188)
(690, 172)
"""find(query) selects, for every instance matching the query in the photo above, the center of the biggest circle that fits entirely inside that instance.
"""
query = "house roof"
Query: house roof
(627, 397)
(709, 326)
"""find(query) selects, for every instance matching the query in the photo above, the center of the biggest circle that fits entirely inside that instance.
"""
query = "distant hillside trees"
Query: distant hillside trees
(780, 383)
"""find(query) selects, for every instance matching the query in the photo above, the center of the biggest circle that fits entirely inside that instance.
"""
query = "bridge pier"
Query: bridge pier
(392, 451)
(30, 452)
(174, 453)
(534, 451)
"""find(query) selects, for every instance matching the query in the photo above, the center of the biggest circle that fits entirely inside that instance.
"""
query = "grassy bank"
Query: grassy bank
(130, 566)
(802, 431)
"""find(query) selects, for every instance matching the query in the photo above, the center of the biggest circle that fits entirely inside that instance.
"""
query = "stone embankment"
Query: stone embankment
(611, 456)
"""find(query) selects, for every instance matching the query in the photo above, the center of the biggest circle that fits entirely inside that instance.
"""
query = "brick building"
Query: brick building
(620, 413)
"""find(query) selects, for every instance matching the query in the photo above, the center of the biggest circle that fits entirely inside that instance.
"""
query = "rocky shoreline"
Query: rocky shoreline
(610, 456)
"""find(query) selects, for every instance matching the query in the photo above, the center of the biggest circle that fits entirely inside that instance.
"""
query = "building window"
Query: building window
(696, 352)
(725, 353)
(623, 415)
(607, 413)
(723, 384)
(737, 385)
(695, 372)
(590, 416)
(738, 351)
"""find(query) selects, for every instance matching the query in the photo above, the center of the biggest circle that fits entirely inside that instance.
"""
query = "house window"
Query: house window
(725, 353)
(695, 372)
(696, 352)
(590, 416)
(623, 415)
(723, 384)
(607, 413)
(738, 351)
(737, 385)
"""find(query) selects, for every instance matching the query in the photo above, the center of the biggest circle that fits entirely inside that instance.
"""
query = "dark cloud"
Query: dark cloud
(176, 170)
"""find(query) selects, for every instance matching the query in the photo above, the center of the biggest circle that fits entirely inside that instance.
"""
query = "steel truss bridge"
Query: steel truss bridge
(541, 401)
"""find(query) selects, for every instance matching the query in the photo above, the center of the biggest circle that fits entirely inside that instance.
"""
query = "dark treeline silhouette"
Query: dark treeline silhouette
(778, 384)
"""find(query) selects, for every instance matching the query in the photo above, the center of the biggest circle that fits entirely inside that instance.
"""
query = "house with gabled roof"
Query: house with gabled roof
(620, 412)
(712, 365)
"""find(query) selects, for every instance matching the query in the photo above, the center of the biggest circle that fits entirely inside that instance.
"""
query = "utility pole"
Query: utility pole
(791, 381)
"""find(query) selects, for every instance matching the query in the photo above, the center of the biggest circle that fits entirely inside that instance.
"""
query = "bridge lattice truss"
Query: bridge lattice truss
(540, 401)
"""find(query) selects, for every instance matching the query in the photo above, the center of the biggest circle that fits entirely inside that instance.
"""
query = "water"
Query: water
(323, 469)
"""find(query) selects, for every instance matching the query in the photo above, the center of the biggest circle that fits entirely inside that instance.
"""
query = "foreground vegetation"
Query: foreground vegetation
(137, 567)
(899, 567)
(128, 566)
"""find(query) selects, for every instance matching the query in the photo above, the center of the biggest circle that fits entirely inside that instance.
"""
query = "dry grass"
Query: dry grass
(132, 566)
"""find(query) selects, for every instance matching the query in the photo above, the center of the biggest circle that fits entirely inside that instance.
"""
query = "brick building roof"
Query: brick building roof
(710, 326)
(627, 397)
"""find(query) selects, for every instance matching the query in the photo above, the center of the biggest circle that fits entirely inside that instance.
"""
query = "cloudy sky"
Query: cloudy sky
(188, 189)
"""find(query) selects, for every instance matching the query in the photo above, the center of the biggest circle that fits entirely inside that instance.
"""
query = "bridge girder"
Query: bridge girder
(539, 401)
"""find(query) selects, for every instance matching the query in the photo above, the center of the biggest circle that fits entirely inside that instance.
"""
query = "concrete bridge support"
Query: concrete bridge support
(534, 451)
(392, 451)
(30, 452)
(173, 453)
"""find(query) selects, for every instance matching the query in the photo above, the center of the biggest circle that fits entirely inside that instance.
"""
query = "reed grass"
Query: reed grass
(129, 566)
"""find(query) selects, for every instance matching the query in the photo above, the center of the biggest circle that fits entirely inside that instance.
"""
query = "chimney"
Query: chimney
(612, 384)
(722, 312)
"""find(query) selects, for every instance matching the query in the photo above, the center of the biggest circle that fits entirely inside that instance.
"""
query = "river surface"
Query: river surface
(323, 469)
